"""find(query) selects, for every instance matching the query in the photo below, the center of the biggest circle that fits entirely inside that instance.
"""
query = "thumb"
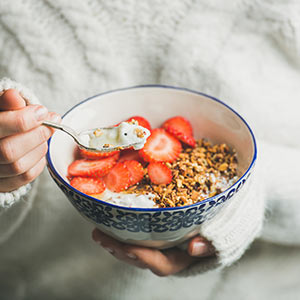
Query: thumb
(11, 100)
(200, 247)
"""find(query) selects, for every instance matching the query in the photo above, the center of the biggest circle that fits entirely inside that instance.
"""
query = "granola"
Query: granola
(198, 173)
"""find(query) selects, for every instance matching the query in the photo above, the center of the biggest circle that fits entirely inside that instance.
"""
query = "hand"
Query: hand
(160, 262)
(23, 141)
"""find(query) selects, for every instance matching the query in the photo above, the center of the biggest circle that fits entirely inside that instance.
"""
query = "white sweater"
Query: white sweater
(245, 52)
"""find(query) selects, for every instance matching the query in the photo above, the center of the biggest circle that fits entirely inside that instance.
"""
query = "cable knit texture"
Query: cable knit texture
(27, 94)
(8, 199)
(246, 52)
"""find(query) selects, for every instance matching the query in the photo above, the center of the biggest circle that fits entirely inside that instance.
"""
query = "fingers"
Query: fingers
(161, 263)
(13, 183)
(22, 156)
(22, 120)
(13, 148)
(25, 163)
(11, 100)
(22, 140)
(200, 247)
(116, 248)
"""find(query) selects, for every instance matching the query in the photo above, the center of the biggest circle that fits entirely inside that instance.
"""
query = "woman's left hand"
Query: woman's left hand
(160, 262)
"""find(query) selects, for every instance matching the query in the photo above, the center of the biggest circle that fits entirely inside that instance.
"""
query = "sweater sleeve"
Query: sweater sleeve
(15, 204)
(276, 187)
(233, 229)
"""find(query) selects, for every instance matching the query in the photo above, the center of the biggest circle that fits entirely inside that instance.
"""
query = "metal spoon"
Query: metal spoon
(76, 136)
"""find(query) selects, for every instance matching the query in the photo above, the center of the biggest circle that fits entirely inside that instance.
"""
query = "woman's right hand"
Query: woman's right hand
(23, 140)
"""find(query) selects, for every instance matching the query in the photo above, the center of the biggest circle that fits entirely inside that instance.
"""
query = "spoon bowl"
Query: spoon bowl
(81, 138)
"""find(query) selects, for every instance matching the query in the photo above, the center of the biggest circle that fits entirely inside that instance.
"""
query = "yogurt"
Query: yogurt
(128, 200)
(120, 136)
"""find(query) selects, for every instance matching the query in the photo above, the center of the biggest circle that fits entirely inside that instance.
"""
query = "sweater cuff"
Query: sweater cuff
(8, 199)
(27, 94)
(233, 229)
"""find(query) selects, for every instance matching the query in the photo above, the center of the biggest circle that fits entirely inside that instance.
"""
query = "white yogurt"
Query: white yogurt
(120, 136)
(128, 200)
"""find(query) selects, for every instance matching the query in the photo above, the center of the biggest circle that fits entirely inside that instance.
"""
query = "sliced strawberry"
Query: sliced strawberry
(180, 123)
(181, 128)
(188, 140)
(159, 173)
(118, 179)
(95, 155)
(136, 171)
(161, 146)
(69, 177)
(88, 186)
(130, 154)
(92, 168)
(141, 121)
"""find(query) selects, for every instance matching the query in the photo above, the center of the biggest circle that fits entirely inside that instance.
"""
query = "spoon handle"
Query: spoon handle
(54, 125)
(64, 128)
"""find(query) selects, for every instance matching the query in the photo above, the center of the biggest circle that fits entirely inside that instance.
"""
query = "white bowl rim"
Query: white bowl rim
(50, 164)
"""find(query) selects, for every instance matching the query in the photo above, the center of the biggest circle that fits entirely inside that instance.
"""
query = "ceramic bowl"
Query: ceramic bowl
(153, 227)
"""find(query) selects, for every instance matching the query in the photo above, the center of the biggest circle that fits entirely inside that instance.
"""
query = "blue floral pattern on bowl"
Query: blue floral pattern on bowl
(121, 220)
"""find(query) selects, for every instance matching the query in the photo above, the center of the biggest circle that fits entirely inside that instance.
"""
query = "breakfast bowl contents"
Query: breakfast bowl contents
(197, 154)
(171, 169)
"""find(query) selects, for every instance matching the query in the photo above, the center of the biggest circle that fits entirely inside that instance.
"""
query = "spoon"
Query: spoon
(81, 137)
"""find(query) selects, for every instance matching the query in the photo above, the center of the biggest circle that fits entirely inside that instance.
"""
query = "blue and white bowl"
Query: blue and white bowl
(153, 227)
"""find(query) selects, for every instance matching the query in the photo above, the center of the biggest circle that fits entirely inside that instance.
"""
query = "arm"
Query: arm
(20, 161)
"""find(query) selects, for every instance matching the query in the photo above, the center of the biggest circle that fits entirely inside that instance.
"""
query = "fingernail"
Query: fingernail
(199, 248)
(40, 112)
(131, 255)
(109, 250)
(55, 118)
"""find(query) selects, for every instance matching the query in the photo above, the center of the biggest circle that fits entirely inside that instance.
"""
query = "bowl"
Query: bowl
(153, 227)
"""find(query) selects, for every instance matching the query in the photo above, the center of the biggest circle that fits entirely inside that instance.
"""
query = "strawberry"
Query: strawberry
(95, 155)
(159, 173)
(141, 121)
(181, 128)
(118, 179)
(136, 171)
(130, 154)
(88, 186)
(161, 146)
(92, 168)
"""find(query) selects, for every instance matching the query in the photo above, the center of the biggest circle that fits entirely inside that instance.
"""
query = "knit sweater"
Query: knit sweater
(244, 52)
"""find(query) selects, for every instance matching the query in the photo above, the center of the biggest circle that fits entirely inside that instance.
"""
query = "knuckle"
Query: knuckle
(34, 172)
(29, 175)
(43, 133)
(7, 152)
(21, 123)
(18, 167)
(160, 273)
(44, 149)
